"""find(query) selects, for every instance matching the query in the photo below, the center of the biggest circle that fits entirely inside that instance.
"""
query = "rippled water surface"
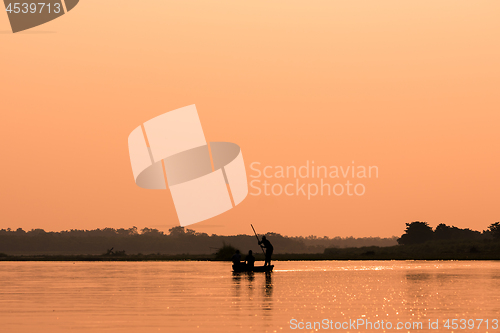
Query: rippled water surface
(208, 297)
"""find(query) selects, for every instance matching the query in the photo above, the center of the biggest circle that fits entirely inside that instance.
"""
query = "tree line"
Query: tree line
(178, 240)
(420, 232)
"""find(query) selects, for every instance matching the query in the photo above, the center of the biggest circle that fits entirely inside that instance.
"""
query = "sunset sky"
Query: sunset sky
(412, 87)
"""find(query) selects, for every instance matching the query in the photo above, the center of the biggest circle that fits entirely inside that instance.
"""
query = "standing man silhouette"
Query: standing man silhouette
(269, 249)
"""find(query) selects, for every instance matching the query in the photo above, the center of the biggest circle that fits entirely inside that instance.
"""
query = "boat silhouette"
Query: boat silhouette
(245, 268)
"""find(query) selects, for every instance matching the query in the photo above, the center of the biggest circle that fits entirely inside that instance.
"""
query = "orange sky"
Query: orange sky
(411, 87)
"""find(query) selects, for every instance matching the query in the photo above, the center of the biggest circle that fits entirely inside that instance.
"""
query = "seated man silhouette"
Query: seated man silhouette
(236, 258)
(250, 260)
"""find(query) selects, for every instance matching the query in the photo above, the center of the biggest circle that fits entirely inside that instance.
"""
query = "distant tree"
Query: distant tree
(190, 232)
(416, 233)
(494, 228)
(151, 232)
(443, 232)
(176, 231)
(107, 231)
(37, 232)
(122, 232)
(225, 252)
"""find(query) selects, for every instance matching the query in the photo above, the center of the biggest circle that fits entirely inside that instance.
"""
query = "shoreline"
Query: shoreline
(293, 257)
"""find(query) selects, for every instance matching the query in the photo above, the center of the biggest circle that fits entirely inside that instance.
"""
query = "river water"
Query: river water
(208, 297)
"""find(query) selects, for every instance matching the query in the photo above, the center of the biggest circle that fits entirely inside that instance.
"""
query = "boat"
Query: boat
(245, 268)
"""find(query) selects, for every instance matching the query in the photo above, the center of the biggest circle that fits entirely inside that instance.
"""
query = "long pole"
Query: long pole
(257, 239)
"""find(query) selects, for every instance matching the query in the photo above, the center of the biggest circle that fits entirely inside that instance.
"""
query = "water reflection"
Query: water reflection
(237, 285)
(267, 304)
(417, 277)
(254, 280)
(207, 297)
(269, 285)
